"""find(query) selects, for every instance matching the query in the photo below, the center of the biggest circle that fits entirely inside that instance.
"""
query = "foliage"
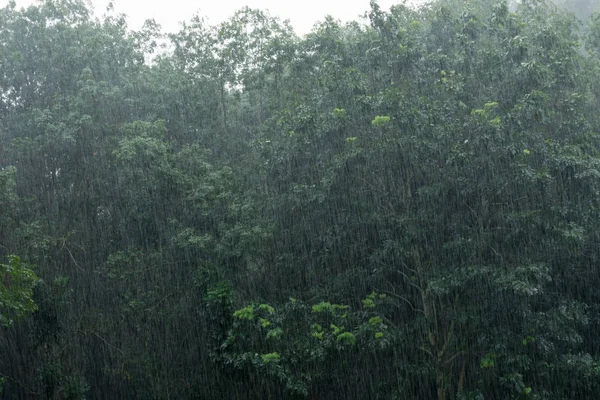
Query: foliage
(403, 207)
(16, 291)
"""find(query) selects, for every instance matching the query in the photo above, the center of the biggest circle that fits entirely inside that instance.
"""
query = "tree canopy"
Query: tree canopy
(406, 206)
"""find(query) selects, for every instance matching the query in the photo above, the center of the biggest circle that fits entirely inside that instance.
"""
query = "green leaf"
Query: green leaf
(327, 307)
(264, 323)
(336, 330)
(270, 357)
(380, 120)
(488, 361)
(368, 303)
(347, 338)
(17, 282)
(245, 313)
(275, 333)
(267, 308)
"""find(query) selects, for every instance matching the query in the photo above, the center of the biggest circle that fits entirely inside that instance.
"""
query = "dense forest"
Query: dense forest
(402, 207)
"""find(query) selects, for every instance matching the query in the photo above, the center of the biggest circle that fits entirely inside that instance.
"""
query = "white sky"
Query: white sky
(168, 13)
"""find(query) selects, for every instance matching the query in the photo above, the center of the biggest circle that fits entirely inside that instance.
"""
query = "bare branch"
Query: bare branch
(10, 378)
(458, 354)
(106, 342)
(404, 299)
(410, 282)
(73, 258)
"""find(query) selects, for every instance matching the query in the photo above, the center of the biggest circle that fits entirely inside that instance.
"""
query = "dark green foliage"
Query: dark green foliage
(405, 208)
(17, 282)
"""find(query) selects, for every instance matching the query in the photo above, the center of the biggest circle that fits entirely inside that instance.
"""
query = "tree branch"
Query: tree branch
(404, 299)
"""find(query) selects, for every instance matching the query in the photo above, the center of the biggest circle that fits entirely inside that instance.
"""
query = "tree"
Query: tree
(16, 291)
(405, 206)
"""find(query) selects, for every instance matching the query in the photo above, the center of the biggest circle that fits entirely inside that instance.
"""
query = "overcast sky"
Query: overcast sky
(302, 14)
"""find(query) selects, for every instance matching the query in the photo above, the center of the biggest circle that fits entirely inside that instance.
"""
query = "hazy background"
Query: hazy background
(168, 13)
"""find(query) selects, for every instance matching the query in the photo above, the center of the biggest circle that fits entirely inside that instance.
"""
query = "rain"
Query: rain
(401, 205)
